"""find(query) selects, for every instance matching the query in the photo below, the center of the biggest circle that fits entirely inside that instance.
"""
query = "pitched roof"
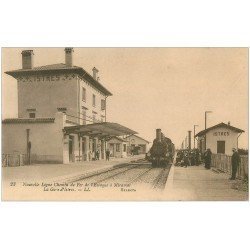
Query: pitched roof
(28, 120)
(137, 137)
(57, 68)
(222, 124)
(117, 138)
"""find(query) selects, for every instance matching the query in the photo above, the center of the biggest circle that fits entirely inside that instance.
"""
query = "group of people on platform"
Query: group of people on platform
(194, 157)
(188, 157)
(96, 155)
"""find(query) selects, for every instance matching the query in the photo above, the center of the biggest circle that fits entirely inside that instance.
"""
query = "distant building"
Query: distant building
(61, 113)
(220, 138)
(136, 144)
(117, 147)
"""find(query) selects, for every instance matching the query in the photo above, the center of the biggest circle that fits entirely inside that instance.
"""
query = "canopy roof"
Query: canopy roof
(104, 129)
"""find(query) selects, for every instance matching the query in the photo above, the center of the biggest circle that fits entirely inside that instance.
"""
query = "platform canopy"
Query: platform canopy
(103, 129)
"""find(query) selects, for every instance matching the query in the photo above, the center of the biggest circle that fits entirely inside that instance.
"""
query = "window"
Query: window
(103, 104)
(93, 101)
(83, 94)
(220, 147)
(94, 117)
(84, 117)
(32, 115)
(124, 147)
(117, 147)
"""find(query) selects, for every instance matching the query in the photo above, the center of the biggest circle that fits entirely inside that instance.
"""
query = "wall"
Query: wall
(223, 163)
(230, 139)
(46, 139)
(115, 153)
(90, 90)
(47, 93)
(137, 141)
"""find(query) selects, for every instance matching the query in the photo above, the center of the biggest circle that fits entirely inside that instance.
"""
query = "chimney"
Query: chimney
(228, 123)
(69, 57)
(95, 73)
(158, 134)
(27, 59)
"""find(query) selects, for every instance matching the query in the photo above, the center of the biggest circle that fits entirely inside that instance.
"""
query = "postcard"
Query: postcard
(125, 124)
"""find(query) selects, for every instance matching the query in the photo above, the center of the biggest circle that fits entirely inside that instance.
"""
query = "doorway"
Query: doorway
(71, 148)
(221, 147)
(84, 153)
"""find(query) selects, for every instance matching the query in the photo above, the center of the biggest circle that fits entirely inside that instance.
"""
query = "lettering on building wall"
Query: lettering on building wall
(48, 78)
(221, 134)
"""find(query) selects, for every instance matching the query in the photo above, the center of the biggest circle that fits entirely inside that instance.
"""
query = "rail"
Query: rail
(222, 162)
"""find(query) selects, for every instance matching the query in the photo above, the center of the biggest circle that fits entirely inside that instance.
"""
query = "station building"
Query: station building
(61, 113)
(220, 138)
(137, 143)
(117, 146)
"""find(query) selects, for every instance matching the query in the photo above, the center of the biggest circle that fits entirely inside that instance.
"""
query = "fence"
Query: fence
(223, 163)
(13, 160)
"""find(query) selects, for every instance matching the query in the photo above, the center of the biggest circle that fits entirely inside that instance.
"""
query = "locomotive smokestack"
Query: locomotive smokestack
(158, 134)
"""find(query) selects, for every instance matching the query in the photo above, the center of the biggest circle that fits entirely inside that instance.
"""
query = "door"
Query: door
(111, 148)
(71, 148)
(84, 155)
(221, 147)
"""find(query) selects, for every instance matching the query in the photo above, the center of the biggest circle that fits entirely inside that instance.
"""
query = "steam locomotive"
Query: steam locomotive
(162, 151)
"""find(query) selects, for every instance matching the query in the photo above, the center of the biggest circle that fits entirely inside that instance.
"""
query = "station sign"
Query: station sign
(221, 133)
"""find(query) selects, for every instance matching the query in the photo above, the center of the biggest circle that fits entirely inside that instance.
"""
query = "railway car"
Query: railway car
(162, 151)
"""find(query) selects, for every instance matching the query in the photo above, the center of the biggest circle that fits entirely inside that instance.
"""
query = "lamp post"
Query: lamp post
(205, 138)
(194, 134)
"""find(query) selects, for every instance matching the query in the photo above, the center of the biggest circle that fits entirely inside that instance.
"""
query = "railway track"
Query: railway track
(135, 174)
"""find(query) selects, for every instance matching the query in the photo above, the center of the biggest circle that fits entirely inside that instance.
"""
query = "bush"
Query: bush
(243, 151)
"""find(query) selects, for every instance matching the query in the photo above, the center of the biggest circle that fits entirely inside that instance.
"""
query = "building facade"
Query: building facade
(47, 91)
(137, 145)
(220, 138)
(117, 147)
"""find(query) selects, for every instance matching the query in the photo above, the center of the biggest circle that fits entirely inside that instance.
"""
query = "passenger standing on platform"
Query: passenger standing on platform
(185, 159)
(107, 154)
(90, 155)
(235, 163)
(97, 155)
(207, 158)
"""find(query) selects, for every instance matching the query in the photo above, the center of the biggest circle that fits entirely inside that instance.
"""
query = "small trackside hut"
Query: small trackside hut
(220, 138)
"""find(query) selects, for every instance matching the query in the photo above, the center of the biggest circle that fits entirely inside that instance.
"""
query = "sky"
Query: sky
(167, 88)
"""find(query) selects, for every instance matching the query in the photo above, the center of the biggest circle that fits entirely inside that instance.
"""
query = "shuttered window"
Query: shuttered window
(103, 104)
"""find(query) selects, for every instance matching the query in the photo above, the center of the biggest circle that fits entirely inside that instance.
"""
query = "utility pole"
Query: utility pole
(189, 139)
(194, 134)
(205, 138)
(185, 142)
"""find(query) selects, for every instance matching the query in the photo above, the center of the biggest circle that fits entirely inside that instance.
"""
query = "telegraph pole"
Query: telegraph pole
(194, 134)
(205, 138)
(189, 139)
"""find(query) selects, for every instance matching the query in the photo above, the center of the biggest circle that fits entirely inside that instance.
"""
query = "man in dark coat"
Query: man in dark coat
(107, 154)
(207, 158)
(235, 163)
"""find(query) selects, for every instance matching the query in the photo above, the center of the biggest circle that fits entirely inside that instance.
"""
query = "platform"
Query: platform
(195, 183)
